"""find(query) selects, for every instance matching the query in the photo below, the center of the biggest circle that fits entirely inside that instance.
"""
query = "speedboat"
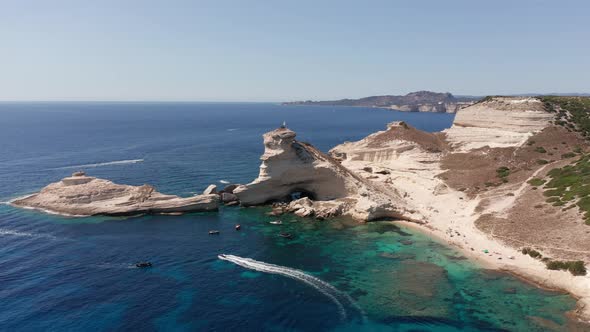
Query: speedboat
(276, 222)
(143, 264)
(286, 235)
(238, 227)
(214, 232)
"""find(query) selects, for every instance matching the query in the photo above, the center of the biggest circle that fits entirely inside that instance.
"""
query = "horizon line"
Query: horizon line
(574, 94)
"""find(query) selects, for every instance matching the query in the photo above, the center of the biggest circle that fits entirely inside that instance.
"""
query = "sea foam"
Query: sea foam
(108, 163)
(11, 232)
(323, 287)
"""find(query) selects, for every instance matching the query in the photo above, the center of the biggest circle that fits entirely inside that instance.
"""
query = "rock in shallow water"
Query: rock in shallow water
(211, 189)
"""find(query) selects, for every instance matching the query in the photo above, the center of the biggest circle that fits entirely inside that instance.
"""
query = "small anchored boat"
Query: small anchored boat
(238, 227)
(286, 235)
(214, 232)
(276, 222)
(143, 264)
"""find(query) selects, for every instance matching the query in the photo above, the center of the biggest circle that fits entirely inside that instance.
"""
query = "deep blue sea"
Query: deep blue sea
(78, 274)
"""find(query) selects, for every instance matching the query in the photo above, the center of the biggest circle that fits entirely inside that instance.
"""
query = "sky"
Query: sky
(252, 50)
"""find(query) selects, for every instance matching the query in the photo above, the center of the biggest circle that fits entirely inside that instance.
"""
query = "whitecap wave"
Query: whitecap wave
(232, 129)
(108, 163)
(11, 232)
(323, 287)
(224, 181)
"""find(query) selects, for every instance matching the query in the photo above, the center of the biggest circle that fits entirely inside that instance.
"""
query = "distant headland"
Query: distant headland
(419, 101)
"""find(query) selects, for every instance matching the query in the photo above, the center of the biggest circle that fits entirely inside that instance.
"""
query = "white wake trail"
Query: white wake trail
(10, 232)
(108, 163)
(323, 287)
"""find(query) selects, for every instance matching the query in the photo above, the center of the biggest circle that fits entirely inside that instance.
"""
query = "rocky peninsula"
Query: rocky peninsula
(82, 195)
(482, 186)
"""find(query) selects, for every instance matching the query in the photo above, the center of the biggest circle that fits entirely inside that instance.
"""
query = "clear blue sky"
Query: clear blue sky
(288, 50)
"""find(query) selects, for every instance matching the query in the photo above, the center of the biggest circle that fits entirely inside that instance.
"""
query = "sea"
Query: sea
(78, 274)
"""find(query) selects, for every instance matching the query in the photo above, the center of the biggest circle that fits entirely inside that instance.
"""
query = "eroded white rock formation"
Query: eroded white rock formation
(498, 122)
(81, 195)
(291, 168)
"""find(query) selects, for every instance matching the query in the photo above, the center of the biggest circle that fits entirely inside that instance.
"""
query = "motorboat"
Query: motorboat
(143, 264)
(238, 227)
(276, 222)
(214, 232)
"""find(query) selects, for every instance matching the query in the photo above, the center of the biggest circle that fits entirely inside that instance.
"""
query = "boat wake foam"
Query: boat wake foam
(323, 287)
(10, 232)
(108, 163)
(223, 181)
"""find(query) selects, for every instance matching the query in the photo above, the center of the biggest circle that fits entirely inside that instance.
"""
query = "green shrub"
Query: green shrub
(542, 162)
(536, 182)
(503, 172)
(576, 268)
(568, 155)
(531, 252)
(540, 149)
(578, 149)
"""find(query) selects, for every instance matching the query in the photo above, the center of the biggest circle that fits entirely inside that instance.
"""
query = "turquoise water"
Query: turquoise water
(65, 274)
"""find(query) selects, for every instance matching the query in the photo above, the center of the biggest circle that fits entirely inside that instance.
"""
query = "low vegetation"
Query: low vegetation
(502, 173)
(540, 149)
(576, 268)
(571, 183)
(536, 182)
(542, 161)
(531, 252)
(568, 155)
(571, 112)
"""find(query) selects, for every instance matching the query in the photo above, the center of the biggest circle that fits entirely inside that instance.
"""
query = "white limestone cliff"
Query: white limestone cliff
(291, 169)
(498, 122)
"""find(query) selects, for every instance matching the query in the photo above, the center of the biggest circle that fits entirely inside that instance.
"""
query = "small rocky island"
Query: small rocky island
(82, 195)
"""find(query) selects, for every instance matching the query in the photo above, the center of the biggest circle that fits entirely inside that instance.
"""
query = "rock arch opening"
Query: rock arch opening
(301, 193)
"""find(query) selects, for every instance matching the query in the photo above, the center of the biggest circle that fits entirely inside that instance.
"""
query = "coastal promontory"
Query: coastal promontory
(82, 195)
(419, 101)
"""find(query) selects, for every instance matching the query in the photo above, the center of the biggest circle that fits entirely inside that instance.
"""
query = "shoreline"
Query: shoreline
(529, 272)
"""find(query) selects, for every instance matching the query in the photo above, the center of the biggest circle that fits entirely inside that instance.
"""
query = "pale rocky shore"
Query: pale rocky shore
(445, 184)
(81, 195)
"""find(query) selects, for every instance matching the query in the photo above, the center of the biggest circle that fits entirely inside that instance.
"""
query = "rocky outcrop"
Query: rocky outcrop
(81, 195)
(498, 122)
(291, 170)
(211, 189)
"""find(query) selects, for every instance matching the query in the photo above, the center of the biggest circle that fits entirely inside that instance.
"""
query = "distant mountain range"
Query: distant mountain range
(420, 101)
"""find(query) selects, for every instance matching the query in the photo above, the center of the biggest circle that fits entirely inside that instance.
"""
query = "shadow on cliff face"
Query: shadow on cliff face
(301, 193)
